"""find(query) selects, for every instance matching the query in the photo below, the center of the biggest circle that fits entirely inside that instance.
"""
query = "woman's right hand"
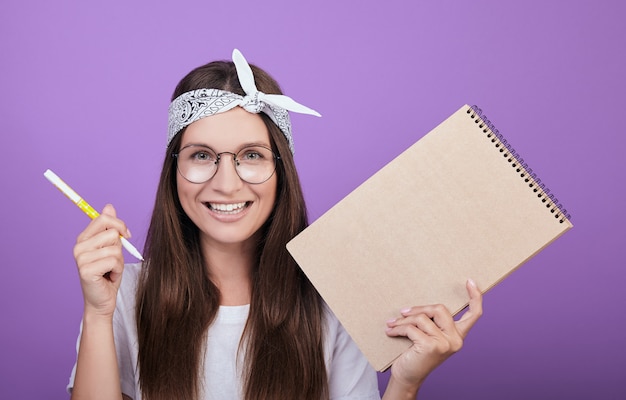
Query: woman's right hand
(98, 255)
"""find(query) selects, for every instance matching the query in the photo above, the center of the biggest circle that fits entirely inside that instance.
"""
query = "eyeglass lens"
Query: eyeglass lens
(198, 164)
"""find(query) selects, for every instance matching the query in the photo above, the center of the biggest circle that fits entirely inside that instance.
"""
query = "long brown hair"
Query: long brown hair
(176, 301)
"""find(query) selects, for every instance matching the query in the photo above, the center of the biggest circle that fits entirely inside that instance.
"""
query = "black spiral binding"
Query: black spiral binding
(518, 163)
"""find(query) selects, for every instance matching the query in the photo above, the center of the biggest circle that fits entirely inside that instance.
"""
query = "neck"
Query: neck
(230, 268)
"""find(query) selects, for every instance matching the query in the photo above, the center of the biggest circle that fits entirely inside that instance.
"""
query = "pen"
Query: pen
(83, 205)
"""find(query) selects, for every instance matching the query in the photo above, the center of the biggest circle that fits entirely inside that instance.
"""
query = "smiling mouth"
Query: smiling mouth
(232, 208)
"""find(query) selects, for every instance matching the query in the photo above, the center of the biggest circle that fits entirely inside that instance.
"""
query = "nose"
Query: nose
(226, 179)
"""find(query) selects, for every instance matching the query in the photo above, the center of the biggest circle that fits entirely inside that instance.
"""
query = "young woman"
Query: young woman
(219, 310)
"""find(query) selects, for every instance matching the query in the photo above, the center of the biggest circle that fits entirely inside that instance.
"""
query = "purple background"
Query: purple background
(85, 90)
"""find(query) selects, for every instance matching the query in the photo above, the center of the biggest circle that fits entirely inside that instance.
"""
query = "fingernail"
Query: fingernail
(128, 235)
(471, 282)
(405, 310)
(391, 321)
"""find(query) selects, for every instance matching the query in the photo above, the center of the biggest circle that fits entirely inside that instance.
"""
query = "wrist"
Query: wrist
(95, 318)
(397, 390)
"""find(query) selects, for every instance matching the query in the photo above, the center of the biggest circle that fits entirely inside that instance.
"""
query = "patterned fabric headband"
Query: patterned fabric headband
(196, 104)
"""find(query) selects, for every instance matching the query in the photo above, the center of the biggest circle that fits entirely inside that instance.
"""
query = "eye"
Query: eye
(254, 155)
(251, 155)
(199, 155)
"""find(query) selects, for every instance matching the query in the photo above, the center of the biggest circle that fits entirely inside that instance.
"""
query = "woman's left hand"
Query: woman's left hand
(435, 335)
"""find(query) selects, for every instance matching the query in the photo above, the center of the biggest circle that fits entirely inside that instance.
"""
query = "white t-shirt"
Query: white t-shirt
(350, 375)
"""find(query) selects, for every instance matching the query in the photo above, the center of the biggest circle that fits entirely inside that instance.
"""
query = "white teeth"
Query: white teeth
(236, 207)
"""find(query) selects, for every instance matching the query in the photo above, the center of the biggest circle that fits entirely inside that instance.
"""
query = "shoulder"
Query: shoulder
(331, 323)
(350, 374)
(336, 338)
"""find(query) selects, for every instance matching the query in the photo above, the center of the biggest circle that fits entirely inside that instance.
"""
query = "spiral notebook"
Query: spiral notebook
(458, 204)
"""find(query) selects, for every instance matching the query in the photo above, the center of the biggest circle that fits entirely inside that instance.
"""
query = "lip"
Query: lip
(228, 211)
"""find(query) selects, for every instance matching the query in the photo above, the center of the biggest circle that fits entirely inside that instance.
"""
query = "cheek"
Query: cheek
(183, 192)
(269, 196)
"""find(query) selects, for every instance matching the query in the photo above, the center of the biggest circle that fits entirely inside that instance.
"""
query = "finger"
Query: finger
(475, 310)
(102, 244)
(100, 239)
(95, 264)
(411, 331)
(107, 220)
(122, 229)
(100, 224)
(438, 313)
(100, 282)
(425, 335)
(109, 267)
(440, 326)
(420, 327)
(109, 210)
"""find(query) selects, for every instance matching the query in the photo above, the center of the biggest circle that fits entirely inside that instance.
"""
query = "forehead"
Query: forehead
(227, 131)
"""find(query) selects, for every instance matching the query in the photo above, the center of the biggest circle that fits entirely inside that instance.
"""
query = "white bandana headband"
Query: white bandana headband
(197, 104)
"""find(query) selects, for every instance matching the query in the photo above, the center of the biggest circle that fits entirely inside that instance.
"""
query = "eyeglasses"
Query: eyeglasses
(198, 163)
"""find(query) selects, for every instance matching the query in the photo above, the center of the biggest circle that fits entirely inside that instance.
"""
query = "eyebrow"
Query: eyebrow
(244, 145)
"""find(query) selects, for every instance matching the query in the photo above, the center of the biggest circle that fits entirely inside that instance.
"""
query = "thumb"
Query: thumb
(475, 310)
(109, 210)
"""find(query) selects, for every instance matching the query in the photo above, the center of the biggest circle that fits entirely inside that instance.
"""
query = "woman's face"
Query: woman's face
(227, 210)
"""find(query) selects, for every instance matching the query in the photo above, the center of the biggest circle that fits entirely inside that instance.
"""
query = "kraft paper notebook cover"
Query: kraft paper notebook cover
(457, 204)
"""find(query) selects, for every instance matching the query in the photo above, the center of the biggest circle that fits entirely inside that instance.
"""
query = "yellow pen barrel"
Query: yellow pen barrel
(87, 209)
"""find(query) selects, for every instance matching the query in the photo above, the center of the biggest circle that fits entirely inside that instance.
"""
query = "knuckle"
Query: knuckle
(422, 319)
(112, 237)
(431, 346)
(79, 260)
(112, 260)
(439, 308)
(76, 253)
(443, 347)
(113, 252)
(456, 344)
(84, 235)
(79, 256)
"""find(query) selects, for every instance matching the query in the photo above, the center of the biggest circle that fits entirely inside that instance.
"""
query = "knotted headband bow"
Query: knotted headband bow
(200, 103)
